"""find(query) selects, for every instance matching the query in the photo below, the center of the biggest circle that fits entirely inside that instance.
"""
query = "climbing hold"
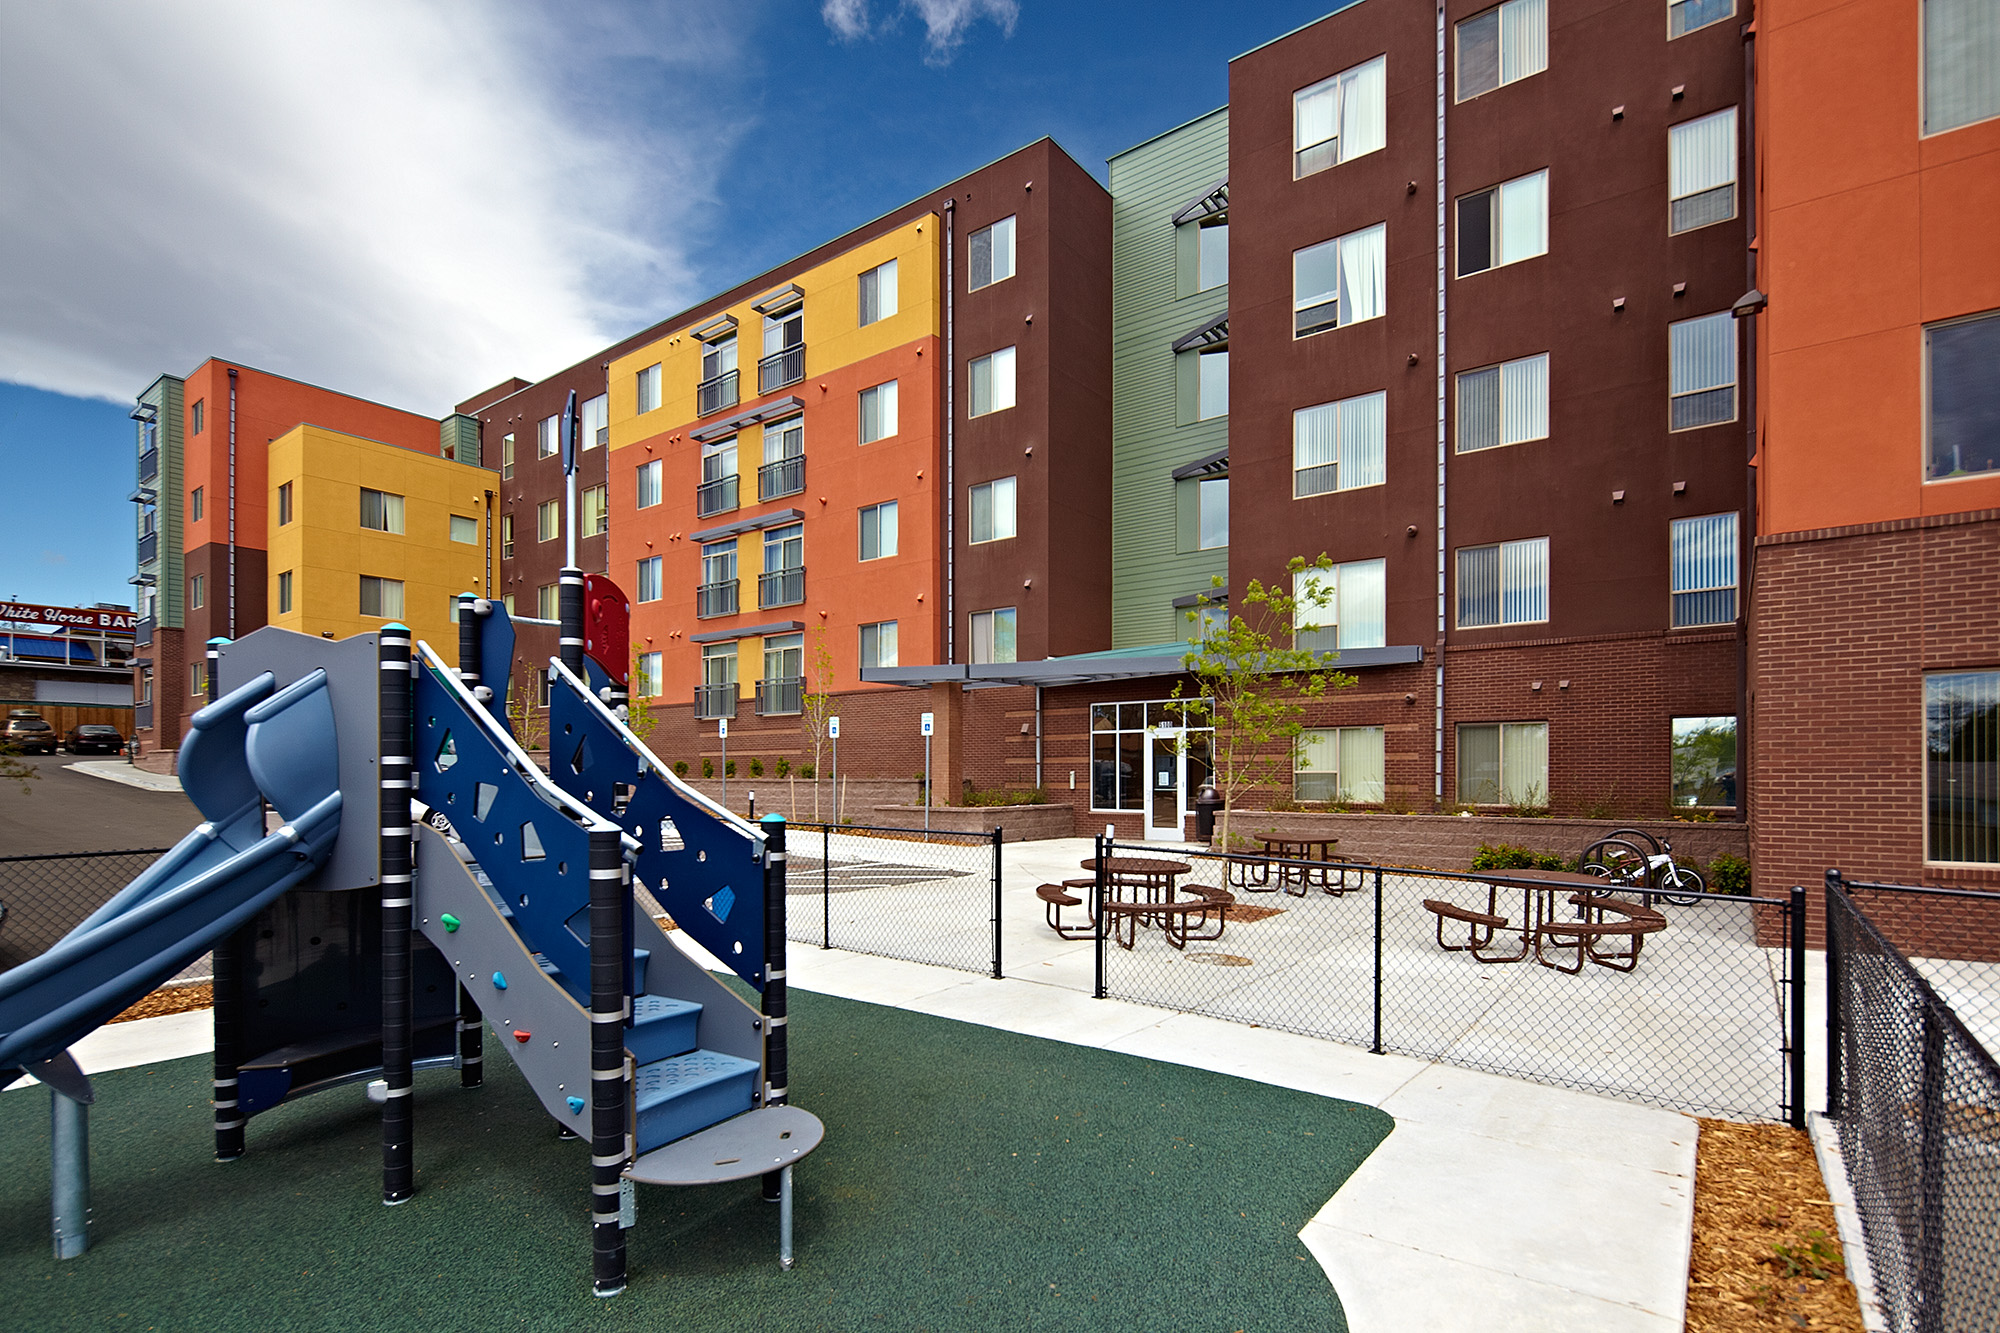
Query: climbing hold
(499, 981)
(451, 923)
(575, 1105)
(521, 1034)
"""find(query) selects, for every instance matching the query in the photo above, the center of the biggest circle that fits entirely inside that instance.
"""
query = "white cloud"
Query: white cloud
(945, 21)
(847, 18)
(402, 199)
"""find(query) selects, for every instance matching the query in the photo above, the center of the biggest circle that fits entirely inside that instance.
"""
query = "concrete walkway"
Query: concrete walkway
(118, 770)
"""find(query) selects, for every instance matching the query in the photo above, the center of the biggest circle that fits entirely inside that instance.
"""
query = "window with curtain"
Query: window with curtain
(989, 256)
(1685, 16)
(465, 530)
(1962, 398)
(878, 293)
(718, 491)
(381, 598)
(596, 421)
(646, 397)
(1701, 171)
(1701, 371)
(1340, 764)
(1503, 404)
(1339, 446)
(878, 531)
(878, 412)
(506, 536)
(1961, 76)
(1704, 570)
(652, 681)
(992, 382)
(1506, 43)
(1504, 763)
(548, 520)
(548, 436)
(993, 635)
(992, 505)
(595, 511)
(1340, 118)
(1339, 282)
(545, 602)
(1961, 758)
(381, 511)
(507, 456)
(1213, 394)
(646, 491)
(878, 644)
(649, 579)
(1506, 583)
(1344, 606)
(1504, 224)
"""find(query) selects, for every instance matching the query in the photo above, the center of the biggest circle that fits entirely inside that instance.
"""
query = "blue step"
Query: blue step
(662, 1027)
(678, 1097)
(640, 958)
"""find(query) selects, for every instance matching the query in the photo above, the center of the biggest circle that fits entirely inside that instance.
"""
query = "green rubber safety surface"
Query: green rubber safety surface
(971, 1179)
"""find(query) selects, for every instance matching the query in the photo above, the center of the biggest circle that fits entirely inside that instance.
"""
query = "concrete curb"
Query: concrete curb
(117, 770)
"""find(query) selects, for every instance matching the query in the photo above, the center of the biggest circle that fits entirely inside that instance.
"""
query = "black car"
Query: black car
(30, 734)
(95, 738)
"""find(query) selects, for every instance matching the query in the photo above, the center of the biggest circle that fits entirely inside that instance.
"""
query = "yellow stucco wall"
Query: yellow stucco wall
(327, 551)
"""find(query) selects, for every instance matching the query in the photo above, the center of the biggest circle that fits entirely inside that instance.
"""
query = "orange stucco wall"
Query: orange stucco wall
(1868, 231)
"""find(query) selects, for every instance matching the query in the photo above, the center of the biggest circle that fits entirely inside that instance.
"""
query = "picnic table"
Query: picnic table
(1254, 871)
(1541, 929)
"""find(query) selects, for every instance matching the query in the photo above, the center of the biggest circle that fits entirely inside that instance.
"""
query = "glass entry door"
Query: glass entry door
(1166, 783)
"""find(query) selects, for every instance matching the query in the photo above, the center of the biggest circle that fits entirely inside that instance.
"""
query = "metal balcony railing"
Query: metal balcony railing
(149, 548)
(715, 599)
(781, 368)
(715, 497)
(142, 633)
(787, 476)
(149, 465)
(714, 701)
(784, 694)
(142, 717)
(712, 395)
(785, 587)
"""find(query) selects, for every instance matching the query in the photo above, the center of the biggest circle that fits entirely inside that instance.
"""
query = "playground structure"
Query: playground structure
(353, 944)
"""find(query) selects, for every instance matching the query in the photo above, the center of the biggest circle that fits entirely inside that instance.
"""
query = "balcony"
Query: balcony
(782, 695)
(777, 370)
(787, 476)
(715, 497)
(149, 548)
(715, 599)
(712, 395)
(784, 587)
(142, 632)
(716, 701)
(142, 717)
(149, 465)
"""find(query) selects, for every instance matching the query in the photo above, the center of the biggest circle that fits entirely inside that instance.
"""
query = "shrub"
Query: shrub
(1506, 856)
(708, 768)
(1729, 874)
(729, 769)
(756, 768)
(680, 768)
(806, 771)
(1029, 796)
(784, 768)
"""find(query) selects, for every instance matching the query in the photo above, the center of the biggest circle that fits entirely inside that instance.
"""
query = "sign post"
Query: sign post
(927, 726)
(722, 732)
(833, 734)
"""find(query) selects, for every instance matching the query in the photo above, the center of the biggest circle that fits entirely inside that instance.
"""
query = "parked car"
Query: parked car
(30, 733)
(95, 738)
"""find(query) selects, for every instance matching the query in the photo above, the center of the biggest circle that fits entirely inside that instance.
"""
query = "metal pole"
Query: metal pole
(1377, 1047)
(1836, 994)
(471, 1023)
(835, 779)
(927, 784)
(610, 1092)
(398, 1106)
(69, 1174)
(569, 602)
(777, 1076)
(226, 988)
(1097, 912)
(996, 904)
(722, 730)
(825, 887)
(1797, 1000)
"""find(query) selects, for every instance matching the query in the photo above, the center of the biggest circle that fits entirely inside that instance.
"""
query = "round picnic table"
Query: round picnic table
(1152, 873)
(1296, 879)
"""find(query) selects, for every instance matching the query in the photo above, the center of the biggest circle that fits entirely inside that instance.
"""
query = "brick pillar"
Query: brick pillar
(948, 743)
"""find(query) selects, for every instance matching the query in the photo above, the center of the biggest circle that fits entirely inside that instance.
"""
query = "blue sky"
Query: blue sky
(409, 200)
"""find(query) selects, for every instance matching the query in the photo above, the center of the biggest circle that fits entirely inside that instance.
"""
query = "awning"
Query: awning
(1160, 659)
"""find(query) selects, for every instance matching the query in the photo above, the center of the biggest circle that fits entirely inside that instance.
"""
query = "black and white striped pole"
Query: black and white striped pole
(395, 865)
(610, 1085)
(226, 967)
(569, 593)
(471, 1024)
(777, 1185)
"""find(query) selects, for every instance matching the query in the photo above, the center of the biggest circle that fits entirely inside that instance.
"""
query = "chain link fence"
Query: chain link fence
(1913, 1085)
(922, 895)
(1693, 1005)
(43, 898)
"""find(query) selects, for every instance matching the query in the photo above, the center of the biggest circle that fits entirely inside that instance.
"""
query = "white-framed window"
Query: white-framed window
(1961, 757)
(1701, 371)
(992, 505)
(1340, 118)
(784, 580)
(546, 607)
(197, 679)
(1340, 446)
(718, 663)
(1701, 171)
(1506, 583)
(506, 536)
(284, 504)
(878, 412)
(878, 530)
(652, 681)
(993, 635)
(197, 591)
(465, 530)
(1503, 404)
(1505, 43)
(989, 255)
(718, 563)
(1961, 74)
(548, 436)
(1503, 763)
(1504, 224)
(1704, 570)
(381, 598)
(1124, 735)
(381, 511)
(1962, 398)
(1212, 253)
(195, 506)
(878, 293)
(1212, 395)
(1346, 765)
(646, 490)
(646, 395)
(1684, 16)
(285, 592)
(878, 644)
(597, 421)
(992, 382)
(1345, 606)
(507, 456)
(594, 510)
(649, 579)
(548, 520)
(1339, 282)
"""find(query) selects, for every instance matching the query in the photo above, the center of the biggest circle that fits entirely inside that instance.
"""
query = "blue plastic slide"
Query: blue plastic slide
(256, 743)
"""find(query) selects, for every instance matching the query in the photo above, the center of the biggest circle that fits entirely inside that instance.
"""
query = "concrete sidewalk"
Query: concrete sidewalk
(121, 771)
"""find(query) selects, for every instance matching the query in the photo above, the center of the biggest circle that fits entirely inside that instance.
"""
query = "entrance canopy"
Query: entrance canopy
(1158, 659)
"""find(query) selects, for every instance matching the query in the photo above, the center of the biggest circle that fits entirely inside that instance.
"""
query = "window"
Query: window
(506, 536)
(1961, 758)
(783, 582)
(646, 492)
(465, 530)
(784, 360)
(719, 482)
(197, 416)
(284, 503)
(1211, 513)
(1962, 408)
(1961, 75)
(507, 456)
(195, 505)
(1704, 761)
(285, 592)
(1201, 621)
(1503, 404)
(596, 421)
(197, 591)
(1704, 559)
(546, 606)
(548, 437)
(784, 470)
(783, 688)
(1503, 584)
(878, 644)
(382, 598)
(1339, 446)
(507, 600)
(1340, 764)
(878, 412)
(1213, 398)
(1502, 45)
(993, 511)
(1504, 763)
(1339, 119)
(1339, 282)
(717, 389)
(878, 531)
(548, 685)
(716, 696)
(548, 520)
(992, 383)
(878, 293)
(651, 682)
(198, 679)
(1684, 16)
(1213, 253)
(717, 594)
(1119, 745)
(993, 635)
(1503, 225)
(1701, 171)
(595, 514)
(1344, 606)
(1701, 371)
(649, 579)
(381, 511)
(989, 255)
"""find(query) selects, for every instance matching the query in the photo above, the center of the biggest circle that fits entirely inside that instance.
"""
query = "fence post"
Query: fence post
(226, 990)
(1097, 911)
(1377, 1047)
(1836, 995)
(825, 886)
(1930, 1176)
(1797, 1004)
(399, 1173)
(610, 1084)
(996, 903)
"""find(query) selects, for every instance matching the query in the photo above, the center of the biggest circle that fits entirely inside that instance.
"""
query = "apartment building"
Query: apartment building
(1876, 651)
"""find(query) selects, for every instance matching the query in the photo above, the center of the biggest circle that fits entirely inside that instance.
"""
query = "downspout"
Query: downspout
(950, 439)
(1749, 323)
(1437, 691)
(232, 502)
(488, 590)
(1038, 737)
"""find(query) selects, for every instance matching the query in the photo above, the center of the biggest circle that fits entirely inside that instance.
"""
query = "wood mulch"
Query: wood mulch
(1766, 1250)
(1249, 912)
(171, 1000)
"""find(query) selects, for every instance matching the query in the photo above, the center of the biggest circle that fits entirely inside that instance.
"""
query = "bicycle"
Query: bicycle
(1620, 858)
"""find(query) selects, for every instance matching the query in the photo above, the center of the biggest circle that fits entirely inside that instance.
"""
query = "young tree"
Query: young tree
(1251, 680)
(530, 731)
(818, 706)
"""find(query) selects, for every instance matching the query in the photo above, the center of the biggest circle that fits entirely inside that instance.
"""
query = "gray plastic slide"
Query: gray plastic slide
(253, 744)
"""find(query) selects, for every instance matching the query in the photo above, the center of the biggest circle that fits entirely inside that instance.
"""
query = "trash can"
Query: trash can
(1207, 801)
